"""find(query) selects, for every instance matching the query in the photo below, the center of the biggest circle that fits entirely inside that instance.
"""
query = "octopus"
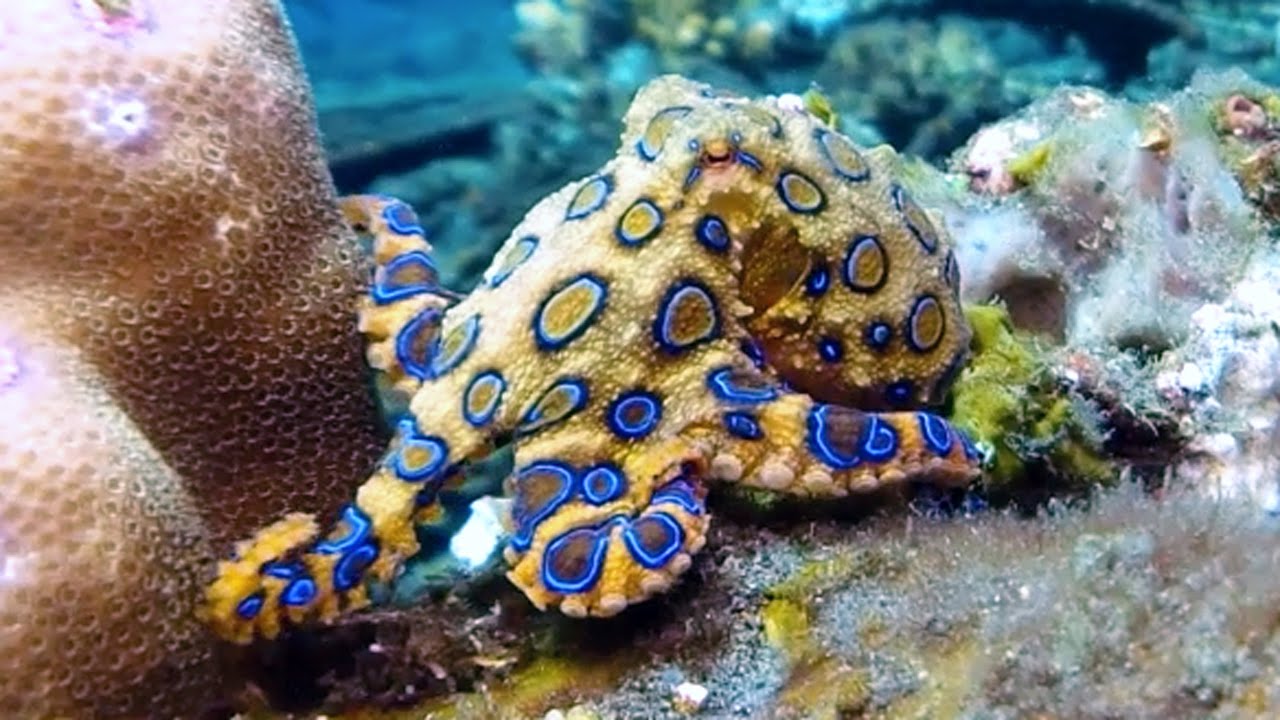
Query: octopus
(741, 295)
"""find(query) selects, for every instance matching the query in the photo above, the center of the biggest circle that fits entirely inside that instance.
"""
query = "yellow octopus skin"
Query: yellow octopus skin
(740, 295)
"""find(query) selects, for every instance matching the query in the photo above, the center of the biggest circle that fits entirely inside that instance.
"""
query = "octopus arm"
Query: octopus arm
(768, 436)
(290, 572)
(600, 525)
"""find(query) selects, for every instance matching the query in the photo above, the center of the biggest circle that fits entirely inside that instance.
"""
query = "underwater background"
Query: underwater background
(470, 102)
(472, 112)
(221, 497)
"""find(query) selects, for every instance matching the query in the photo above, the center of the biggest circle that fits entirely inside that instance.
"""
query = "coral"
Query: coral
(692, 311)
(176, 311)
(1109, 222)
(1225, 374)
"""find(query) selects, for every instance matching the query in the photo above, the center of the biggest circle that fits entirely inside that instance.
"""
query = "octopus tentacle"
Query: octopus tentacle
(594, 535)
(290, 574)
(402, 314)
(782, 440)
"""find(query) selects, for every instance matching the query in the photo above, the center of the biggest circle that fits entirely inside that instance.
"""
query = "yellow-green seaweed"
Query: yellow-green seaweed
(1026, 167)
(819, 685)
(817, 103)
(1010, 405)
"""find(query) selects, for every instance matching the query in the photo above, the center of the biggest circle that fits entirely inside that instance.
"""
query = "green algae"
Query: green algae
(530, 691)
(817, 103)
(1029, 165)
(819, 684)
(1008, 402)
(825, 574)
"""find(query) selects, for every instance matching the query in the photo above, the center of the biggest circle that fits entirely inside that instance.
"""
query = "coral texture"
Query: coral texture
(1110, 222)
(693, 311)
(176, 319)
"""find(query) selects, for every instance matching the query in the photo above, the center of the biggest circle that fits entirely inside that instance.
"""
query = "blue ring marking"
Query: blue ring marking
(603, 483)
(548, 341)
(249, 607)
(818, 281)
(692, 176)
(283, 570)
(900, 392)
(743, 425)
(525, 246)
(385, 290)
(824, 138)
(861, 244)
(680, 493)
(721, 383)
(358, 530)
(442, 363)
(492, 379)
(951, 272)
(300, 591)
(913, 317)
(618, 416)
(712, 233)
(641, 205)
(662, 324)
(935, 432)
(878, 335)
(643, 148)
(417, 368)
(781, 187)
(830, 349)
(751, 348)
(749, 160)
(595, 562)
(653, 561)
(533, 418)
(756, 115)
(879, 440)
(820, 444)
(436, 448)
(401, 218)
(522, 538)
(903, 203)
(348, 571)
(602, 184)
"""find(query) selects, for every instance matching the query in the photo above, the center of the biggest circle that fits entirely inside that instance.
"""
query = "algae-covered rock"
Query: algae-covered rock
(1012, 404)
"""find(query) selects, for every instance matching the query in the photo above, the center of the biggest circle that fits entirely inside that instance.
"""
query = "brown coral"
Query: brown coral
(176, 290)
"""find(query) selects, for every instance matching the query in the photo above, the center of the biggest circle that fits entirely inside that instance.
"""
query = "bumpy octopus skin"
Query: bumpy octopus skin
(740, 295)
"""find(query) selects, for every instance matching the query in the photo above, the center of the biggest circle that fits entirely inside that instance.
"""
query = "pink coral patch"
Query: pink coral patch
(116, 17)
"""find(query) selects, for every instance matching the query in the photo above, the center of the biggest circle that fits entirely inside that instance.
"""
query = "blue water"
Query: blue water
(429, 38)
